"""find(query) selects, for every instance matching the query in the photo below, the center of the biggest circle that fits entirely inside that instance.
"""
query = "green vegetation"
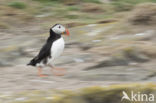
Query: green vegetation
(18, 5)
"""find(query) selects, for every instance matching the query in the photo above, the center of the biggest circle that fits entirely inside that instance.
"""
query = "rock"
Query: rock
(143, 14)
(111, 61)
(149, 49)
(123, 57)
(133, 54)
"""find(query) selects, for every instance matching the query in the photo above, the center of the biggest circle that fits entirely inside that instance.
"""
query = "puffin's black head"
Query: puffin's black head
(59, 29)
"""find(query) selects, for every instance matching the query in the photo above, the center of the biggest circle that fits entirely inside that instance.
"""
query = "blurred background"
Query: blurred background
(112, 47)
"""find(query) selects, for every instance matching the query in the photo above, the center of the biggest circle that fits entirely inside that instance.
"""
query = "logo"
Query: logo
(125, 96)
(137, 97)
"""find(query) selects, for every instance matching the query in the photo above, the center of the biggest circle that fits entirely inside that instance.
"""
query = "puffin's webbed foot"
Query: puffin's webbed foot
(58, 71)
(40, 73)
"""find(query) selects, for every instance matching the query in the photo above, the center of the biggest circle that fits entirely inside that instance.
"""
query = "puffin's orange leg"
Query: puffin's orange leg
(58, 71)
(40, 73)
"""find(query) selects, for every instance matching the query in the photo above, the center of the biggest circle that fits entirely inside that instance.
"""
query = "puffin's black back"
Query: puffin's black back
(45, 51)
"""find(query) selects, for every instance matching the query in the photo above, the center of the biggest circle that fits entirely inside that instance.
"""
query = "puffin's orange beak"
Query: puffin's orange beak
(66, 32)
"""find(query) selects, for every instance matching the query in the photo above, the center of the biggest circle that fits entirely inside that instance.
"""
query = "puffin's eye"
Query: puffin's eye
(59, 26)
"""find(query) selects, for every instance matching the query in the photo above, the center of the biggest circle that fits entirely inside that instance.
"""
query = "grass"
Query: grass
(18, 5)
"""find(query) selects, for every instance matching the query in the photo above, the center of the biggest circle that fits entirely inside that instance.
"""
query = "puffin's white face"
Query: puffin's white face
(59, 29)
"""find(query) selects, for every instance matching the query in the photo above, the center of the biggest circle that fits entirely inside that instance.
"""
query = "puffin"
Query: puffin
(51, 50)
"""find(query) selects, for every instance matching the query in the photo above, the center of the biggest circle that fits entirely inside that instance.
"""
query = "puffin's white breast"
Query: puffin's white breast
(57, 48)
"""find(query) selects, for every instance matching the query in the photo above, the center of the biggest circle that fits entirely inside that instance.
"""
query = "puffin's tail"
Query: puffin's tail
(32, 62)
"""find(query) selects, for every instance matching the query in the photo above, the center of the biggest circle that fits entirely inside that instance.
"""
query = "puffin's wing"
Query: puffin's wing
(44, 53)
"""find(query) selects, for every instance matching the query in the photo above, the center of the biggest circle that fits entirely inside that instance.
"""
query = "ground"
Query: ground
(89, 62)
